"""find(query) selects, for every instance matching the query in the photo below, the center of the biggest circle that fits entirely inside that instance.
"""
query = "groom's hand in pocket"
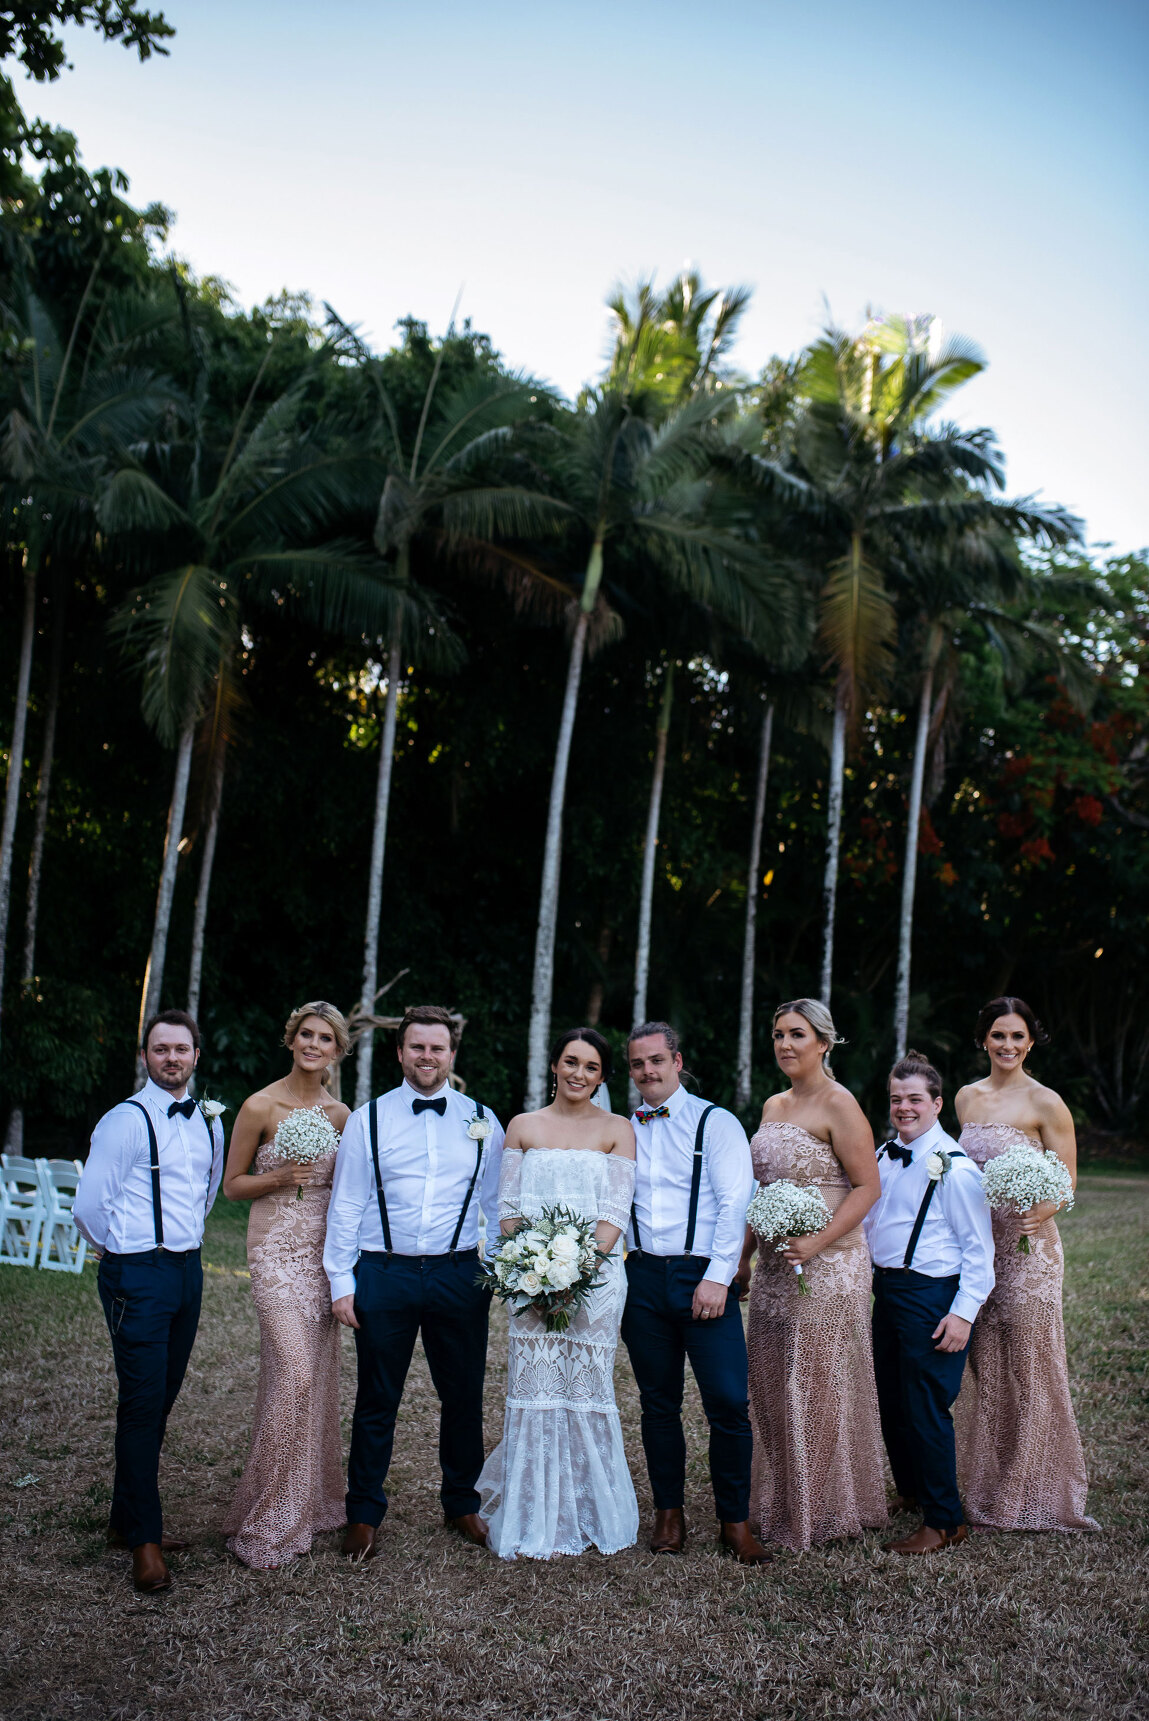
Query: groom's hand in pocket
(709, 1300)
(343, 1308)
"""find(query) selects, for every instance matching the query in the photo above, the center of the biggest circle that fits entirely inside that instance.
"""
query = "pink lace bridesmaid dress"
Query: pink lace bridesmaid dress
(1020, 1460)
(818, 1458)
(292, 1486)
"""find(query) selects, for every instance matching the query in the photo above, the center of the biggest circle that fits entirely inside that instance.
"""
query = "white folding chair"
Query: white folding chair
(21, 1210)
(63, 1249)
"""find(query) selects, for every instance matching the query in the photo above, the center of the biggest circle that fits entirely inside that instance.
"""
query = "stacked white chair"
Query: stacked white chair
(63, 1249)
(21, 1209)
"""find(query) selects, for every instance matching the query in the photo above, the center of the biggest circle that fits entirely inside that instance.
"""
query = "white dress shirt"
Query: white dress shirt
(663, 1169)
(113, 1205)
(426, 1163)
(956, 1237)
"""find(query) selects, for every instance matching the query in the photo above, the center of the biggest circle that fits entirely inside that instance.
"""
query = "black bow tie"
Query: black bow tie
(439, 1105)
(897, 1151)
(185, 1108)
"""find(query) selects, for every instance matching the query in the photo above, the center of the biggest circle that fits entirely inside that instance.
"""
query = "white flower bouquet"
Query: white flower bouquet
(783, 1210)
(305, 1135)
(549, 1264)
(1020, 1178)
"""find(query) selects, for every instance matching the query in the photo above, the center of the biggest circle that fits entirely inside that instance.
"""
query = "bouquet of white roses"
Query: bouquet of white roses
(305, 1135)
(1021, 1177)
(549, 1264)
(783, 1210)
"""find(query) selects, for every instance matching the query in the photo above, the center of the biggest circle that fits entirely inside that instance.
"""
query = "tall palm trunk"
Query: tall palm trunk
(746, 1011)
(375, 879)
(16, 758)
(650, 846)
(154, 973)
(14, 1137)
(543, 978)
(203, 887)
(646, 894)
(833, 835)
(910, 867)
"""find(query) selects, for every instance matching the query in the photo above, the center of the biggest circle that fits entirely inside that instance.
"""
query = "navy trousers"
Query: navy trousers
(660, 1333)
(397, 1298)
(151, 1304)
(917, 1384)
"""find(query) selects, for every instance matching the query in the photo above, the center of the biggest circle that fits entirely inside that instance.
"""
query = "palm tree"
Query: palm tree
(450, 488)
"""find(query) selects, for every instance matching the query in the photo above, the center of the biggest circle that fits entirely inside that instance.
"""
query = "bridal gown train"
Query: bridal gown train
(558, 1481)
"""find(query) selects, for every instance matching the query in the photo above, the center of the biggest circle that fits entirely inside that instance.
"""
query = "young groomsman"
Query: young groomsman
(932, 1248)
(151, 1177)
(693, 1183)
(402, 1256)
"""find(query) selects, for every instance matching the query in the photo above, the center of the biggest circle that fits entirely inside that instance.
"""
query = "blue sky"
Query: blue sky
(984, 162)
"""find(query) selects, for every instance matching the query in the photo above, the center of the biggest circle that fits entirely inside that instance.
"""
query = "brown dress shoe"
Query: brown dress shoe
(926, 1540)
(470, 1526)
(169, 1545)
(669, 1533)
(739, 1541)
(149, 1569)
(359, 1542)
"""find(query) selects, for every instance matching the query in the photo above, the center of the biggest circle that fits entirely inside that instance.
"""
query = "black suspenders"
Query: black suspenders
(373, 1129)
(695, 1187)
(922, 1211)
(154, 1167)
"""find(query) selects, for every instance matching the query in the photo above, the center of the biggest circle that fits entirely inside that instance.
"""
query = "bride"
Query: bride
(558, 1481)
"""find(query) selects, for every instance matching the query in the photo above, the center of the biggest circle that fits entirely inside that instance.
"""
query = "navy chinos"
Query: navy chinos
(917, 1384)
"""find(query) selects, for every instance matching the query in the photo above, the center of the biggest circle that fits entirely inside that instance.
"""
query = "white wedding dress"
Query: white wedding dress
(558, 1482)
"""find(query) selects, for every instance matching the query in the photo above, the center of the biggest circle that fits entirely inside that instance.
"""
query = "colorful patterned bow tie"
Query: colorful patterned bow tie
(656, 1111)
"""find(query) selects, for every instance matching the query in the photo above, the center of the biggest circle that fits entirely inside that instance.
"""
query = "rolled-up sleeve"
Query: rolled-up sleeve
(967, 1213)
(115, 1138)
(350, 1193)
(731, 1173)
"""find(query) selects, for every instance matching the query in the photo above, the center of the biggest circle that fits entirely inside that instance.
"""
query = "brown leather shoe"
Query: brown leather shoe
(470, 1526)
(926, 1540)
(669, 1533)
(169, 1545)
(359, 1542)
(739, 1541)
(149, 1569)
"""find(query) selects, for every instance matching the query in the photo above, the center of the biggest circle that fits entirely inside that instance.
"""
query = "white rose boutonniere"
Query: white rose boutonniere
(937, 1164)
(212, 1109)
(479, 1128)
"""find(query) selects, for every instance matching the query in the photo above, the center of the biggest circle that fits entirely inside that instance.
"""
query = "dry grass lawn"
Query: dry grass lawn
(1011, 1626)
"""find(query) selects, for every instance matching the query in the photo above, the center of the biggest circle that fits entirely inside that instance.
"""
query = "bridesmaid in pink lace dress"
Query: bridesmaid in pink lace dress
(1019, 1452)
(292, 1486)
(818, 1457)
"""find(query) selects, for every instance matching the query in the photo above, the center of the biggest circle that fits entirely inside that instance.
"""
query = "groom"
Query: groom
(693, 1183)
(412, 1171)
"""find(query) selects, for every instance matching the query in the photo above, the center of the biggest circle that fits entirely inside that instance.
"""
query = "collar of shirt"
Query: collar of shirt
(161, 1098)
(673, 1102)
(934, 1138)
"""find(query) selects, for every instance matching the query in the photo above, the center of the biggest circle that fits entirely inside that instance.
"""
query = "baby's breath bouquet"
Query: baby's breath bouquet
(782, 1210)
(549, 1264)
(1018, 1179)
(305, 1135)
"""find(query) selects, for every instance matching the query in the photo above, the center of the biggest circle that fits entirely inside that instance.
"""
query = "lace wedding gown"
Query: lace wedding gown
(818, 1458)
(292, 1485)
(1019, 1453)
(558, 1482)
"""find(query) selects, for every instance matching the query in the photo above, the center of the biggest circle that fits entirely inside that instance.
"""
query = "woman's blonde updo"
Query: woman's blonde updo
(335, 1020)
(815, 1012)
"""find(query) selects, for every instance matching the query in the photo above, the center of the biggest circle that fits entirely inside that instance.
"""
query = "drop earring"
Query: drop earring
(554, 1085)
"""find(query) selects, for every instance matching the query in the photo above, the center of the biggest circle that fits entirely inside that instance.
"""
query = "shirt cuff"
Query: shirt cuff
(966, 1306)
(342, 1285)
(720, 1272)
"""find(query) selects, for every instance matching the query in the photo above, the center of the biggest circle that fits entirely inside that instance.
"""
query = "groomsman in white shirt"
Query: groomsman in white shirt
(151, 1176)
(693, 1183)
(402, 1255)
(932, 1247)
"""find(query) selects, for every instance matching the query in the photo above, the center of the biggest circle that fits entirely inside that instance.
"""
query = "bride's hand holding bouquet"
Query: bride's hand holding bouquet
(549, 1264)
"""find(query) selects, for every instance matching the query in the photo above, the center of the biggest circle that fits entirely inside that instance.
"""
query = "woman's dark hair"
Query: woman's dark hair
(1008, 1007)
(591, 1037)
(916, 1064)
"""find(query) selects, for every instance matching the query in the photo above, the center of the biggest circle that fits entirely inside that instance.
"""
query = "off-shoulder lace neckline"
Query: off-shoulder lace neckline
(599, 1152)
(1013, 1128)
